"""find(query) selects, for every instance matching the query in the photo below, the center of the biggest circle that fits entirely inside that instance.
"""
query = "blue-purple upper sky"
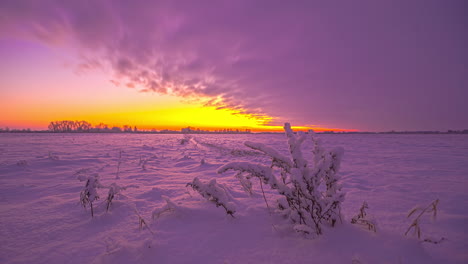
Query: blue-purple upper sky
(367, 65)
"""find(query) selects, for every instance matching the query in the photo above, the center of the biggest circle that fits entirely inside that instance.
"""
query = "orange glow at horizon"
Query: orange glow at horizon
(37, 87)
(172, 115)
(195, 116)
(146, 111)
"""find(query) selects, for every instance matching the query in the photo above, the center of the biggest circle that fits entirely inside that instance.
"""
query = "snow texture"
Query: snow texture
(42, 220)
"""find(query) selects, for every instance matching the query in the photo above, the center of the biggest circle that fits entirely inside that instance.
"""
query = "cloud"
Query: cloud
(311, 62)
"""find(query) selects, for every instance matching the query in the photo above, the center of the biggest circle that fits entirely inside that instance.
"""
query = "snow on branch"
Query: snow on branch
(279, 160)
(253, 170)
(214, 193)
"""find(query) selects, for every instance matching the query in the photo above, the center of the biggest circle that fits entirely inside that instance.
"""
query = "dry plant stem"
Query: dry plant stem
(430, 208)
(264, 198)
(156, 216)
(109, 201)
(434, 241)
(142, 222)
(118, 165)
(225, 208)
(274, 227)
(361, 218)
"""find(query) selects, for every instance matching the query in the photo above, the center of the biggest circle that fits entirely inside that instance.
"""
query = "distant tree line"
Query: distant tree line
(191, 130)
(84, 126)
(69, 126)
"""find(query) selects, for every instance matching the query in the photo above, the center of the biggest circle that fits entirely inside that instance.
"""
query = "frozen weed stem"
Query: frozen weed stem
(115, 189)
(415, 224)
(169, 207)
(118, 165)
(143, 162)
(142, 223)
(89, 194)
(363, 219)
(311, 195)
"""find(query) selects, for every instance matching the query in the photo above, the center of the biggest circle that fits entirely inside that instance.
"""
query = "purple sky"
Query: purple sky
(367, 65)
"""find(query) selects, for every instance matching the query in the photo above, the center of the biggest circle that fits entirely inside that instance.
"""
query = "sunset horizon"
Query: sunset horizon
(162, 127)
(344, 67)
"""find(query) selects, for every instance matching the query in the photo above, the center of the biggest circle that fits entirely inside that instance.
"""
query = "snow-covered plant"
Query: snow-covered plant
(415, 224)
(214, 193)
(89, 193)
(143, 162)
(115, 189)
(363, 219)
(311, 194)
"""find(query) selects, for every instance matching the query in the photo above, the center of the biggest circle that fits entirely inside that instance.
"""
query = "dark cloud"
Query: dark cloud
(352, 64)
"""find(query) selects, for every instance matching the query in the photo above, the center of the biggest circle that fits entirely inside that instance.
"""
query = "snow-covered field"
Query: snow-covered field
(42, 221)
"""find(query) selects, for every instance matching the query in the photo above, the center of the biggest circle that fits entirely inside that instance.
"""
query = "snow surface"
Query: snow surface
(42, 220)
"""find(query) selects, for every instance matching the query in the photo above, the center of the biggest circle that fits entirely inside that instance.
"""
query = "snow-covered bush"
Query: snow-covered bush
(311, 194)
(214, 193)
(89, 193)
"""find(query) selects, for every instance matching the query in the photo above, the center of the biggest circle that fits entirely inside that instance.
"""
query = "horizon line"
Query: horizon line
(221, 131)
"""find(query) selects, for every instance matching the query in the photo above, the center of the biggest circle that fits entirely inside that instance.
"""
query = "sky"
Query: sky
(344, 65)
